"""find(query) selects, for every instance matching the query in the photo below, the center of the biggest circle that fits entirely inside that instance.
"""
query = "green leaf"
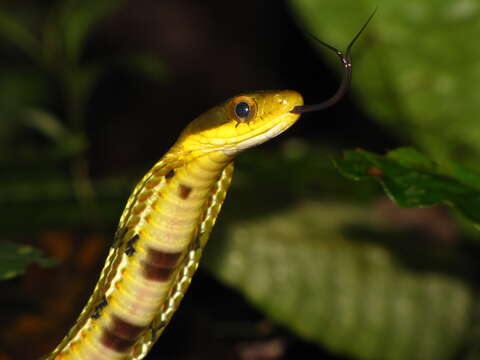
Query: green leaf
(466, 175)
(415, 67)
(411, 182)
(46, 123)
(20, 88)
(15, 258)
(15, 32)
(360, 295)
(410, 157)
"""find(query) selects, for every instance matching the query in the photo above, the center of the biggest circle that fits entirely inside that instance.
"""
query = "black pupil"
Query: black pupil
(242, 109)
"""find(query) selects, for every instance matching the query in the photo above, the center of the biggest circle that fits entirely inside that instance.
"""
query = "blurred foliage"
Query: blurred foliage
(360, 292)
(352, 290)
(336, 267)
(411, 180)
(46, 82)
(15, 258)
(415, 69)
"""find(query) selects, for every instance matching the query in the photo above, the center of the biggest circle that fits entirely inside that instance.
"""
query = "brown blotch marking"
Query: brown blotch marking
(124, 329)
(120, 335)
(170, 174)
(184, 191)
(159, 265)
(162, 258)
(114, 342)
(130, 250)
(155, 273)
(372, 170)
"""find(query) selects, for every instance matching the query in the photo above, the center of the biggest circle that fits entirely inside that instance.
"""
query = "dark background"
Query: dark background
(211, 52)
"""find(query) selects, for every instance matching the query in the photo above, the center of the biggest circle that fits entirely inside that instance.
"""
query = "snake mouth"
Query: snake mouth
(258, 139)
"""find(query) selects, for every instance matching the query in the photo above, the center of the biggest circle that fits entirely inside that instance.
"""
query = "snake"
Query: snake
(168, 219)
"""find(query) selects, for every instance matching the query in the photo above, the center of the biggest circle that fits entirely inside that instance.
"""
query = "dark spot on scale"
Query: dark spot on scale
(130, 250)
(170, 174)
(184, 191)
(98, 309)
(120, 335)
(159, 265)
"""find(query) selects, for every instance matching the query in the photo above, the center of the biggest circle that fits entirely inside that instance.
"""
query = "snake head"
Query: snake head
(241, 122)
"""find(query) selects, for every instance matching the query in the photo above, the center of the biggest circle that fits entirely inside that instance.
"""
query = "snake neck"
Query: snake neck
(161, 234)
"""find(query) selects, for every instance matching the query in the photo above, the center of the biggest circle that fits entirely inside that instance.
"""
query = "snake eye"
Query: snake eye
(243, 108)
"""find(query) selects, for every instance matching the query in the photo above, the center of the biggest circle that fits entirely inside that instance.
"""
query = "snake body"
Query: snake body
(165, 227)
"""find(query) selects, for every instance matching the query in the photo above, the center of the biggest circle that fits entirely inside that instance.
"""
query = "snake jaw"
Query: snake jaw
(257, 140)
